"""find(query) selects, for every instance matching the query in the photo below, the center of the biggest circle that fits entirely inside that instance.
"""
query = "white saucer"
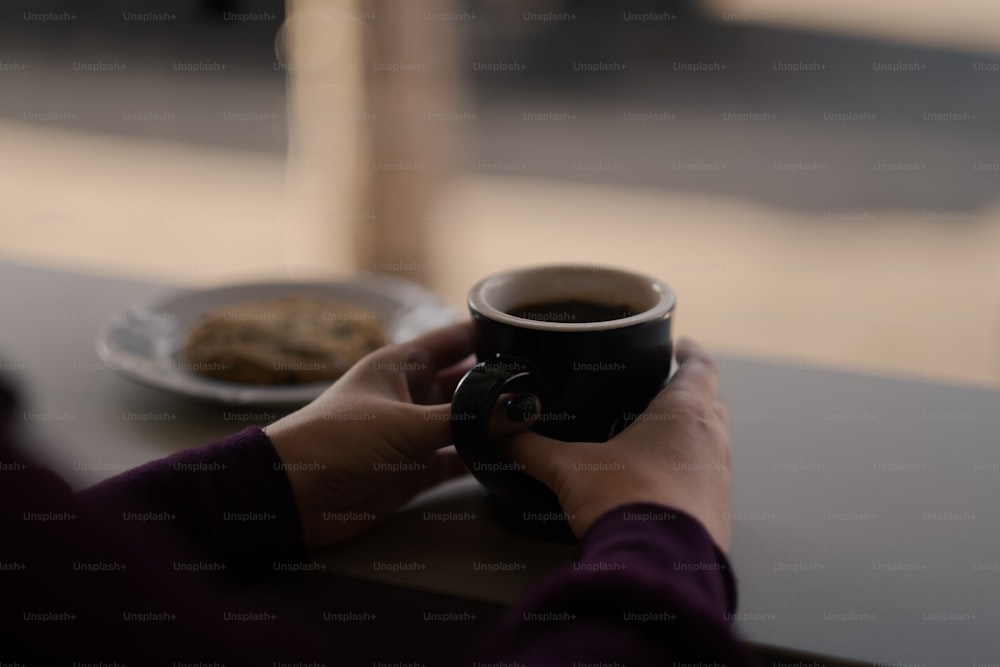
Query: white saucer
(143, 342)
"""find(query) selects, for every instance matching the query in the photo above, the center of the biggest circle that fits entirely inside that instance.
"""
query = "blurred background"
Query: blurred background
(818, 181)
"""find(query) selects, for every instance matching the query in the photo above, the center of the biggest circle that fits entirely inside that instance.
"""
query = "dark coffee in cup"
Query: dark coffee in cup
(593, 344)
(572, 311)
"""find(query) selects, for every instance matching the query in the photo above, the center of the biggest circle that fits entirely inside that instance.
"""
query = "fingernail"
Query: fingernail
(521, 408)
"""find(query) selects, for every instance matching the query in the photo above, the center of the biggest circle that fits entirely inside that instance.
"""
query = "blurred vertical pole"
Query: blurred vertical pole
(411, 77)
(320, 47)
(365, 164)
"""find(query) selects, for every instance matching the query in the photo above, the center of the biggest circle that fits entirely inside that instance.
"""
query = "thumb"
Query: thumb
(428, 428)
(512, 413)
(543, 458)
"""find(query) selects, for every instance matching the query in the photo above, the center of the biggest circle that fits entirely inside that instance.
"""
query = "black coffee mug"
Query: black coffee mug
(593, 344)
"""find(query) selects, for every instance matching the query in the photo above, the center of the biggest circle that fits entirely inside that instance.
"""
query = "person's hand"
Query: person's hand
(370, 442)
(675, 454)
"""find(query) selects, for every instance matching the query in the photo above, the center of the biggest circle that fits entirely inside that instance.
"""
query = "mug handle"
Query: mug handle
(471, 408)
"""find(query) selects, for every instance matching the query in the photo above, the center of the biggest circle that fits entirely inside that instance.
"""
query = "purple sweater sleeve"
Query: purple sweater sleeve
(231, 498)
(650, 587)
(136, 570)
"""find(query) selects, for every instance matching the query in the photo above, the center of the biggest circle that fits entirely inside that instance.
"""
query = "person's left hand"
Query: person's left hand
(370, 442)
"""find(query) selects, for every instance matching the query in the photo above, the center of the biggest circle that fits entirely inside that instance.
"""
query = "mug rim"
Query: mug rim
(662, 308)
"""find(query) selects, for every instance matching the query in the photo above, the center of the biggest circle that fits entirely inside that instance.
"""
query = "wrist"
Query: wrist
(681, 540)
(698, 507)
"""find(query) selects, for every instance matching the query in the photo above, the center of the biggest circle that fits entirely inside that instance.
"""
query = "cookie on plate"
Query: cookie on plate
(287, 340)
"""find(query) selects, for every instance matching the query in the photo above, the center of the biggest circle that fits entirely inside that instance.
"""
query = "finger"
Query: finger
(449, 378)
(543, 458)
(445, 346)
(419, 378)
(426, 356)
(412, 367)
(427, 429)
(430, 428)
(513, 413)
(697, 372)
(722, 410)
(445, 465)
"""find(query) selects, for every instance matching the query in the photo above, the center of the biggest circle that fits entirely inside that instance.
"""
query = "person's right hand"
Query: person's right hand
(675, 454)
